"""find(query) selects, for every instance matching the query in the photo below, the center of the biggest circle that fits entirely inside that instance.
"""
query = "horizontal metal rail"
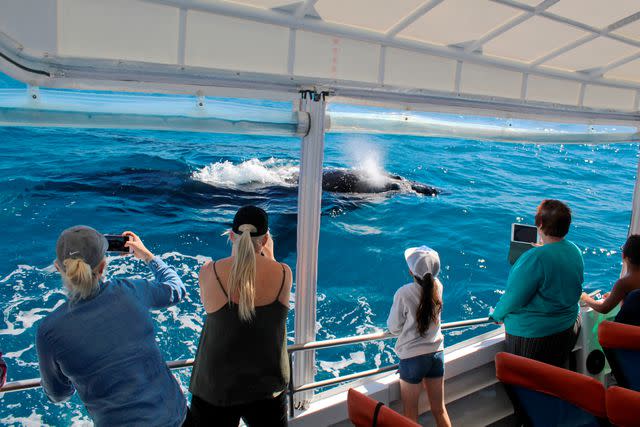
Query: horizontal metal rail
(21, 385)
(345, 378)
(314, 345)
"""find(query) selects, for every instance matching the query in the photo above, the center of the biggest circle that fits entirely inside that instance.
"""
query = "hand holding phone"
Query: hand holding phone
(140, 251)
(117, 242)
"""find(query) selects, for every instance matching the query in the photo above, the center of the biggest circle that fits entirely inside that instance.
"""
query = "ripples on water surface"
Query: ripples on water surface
(180, 191)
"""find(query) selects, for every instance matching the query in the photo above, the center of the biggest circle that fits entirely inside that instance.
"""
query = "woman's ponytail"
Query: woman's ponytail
(430, 303)
(243, 273)
(79, 278)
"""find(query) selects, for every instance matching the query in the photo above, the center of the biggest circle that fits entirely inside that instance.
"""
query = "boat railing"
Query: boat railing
(377, 336)
(313, 345)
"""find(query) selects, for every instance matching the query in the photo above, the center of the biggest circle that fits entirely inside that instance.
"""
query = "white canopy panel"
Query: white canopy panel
(527, 57)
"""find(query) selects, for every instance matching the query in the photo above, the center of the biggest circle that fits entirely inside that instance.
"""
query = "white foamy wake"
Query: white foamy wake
(263, 173)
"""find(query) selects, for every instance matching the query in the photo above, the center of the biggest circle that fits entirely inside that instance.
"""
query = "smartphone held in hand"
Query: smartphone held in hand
(117, 242)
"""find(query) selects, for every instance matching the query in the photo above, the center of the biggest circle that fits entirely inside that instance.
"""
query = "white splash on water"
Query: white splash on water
(34, 420)
(251, 172)
(357, 357)
(17, 354)
(362, 230)
(367, 158)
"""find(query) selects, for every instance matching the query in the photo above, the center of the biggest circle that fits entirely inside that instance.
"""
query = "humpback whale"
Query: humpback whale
(353, 181)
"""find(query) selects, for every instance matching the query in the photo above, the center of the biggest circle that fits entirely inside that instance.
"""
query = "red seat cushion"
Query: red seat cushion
(623, 407)
(577, 389)
(362, 408)
(619, 335)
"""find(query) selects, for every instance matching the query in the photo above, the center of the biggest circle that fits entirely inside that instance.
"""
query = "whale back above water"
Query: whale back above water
(353, 181)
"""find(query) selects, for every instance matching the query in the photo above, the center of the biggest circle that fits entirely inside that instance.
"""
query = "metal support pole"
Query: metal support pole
(634, 227)
(309, 205)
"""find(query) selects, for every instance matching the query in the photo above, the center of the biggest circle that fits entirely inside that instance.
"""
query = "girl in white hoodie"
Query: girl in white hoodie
(415, 318)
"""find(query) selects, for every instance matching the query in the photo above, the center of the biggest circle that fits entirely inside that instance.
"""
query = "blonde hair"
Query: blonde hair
(242, 279)
(80, 280)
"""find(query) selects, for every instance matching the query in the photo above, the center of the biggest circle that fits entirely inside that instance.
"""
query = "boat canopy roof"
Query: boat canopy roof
(555, 59)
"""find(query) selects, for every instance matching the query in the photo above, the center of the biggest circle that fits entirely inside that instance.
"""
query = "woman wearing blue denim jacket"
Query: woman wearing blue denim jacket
(101, 341)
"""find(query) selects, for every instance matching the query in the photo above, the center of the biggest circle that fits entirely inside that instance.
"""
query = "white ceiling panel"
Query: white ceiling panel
(591, 55)
(609, 97)
(99, 29)
(213, 41)
(36, 29)
(552, 90)
(377, 15)
(480, 80)
(532, 39)
(596, 13)
(411, 69)
(629, 71)
(459, 21)
(329, 57)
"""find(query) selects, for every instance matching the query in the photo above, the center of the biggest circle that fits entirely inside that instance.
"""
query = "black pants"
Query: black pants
(553, 349)
(261, 413)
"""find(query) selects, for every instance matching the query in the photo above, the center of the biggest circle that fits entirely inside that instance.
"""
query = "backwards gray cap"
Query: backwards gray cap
(81, 242)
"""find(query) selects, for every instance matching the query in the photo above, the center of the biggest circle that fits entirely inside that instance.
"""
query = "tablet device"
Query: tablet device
(524, 233)
(523, 238)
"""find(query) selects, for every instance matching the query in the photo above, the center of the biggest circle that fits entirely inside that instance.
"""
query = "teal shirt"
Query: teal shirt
(543, 291)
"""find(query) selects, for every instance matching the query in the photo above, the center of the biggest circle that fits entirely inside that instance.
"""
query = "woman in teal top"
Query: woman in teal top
(540, 305)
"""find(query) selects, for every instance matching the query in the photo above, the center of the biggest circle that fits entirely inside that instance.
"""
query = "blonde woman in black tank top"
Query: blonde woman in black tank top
(241, 368)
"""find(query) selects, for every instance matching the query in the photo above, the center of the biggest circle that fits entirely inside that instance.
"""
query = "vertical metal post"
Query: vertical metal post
(634, 227)
(309, 205)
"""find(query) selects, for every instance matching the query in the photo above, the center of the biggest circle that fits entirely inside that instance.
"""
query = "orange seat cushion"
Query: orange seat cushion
(362, 408)
(623, 407)
(619, 335)
(577, 389)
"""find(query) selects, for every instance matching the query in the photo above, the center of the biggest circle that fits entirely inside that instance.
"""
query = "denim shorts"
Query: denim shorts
(414, 369)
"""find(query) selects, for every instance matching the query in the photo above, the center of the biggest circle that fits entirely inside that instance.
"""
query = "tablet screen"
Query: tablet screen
(525, 233)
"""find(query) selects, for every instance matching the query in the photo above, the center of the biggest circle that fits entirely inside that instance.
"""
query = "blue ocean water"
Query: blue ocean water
(179, 191)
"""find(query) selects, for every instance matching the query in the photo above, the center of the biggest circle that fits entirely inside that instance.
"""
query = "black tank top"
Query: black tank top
(240, 362)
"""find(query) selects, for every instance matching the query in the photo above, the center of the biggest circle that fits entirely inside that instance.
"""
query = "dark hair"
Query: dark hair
(430, 304)
(631, 249)
(553, 217)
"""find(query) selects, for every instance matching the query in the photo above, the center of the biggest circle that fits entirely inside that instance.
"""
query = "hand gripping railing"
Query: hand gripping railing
(314, 345)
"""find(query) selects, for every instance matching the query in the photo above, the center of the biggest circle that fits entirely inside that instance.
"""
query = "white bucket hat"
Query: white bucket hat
(422, 260)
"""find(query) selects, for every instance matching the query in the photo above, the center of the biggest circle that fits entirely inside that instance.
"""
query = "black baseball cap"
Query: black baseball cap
(251, 215)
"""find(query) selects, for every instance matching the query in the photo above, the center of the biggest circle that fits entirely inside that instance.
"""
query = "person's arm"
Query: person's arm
(397, 315)
(55, 384)
(524, 279)
(167, 288)
(609, 302)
